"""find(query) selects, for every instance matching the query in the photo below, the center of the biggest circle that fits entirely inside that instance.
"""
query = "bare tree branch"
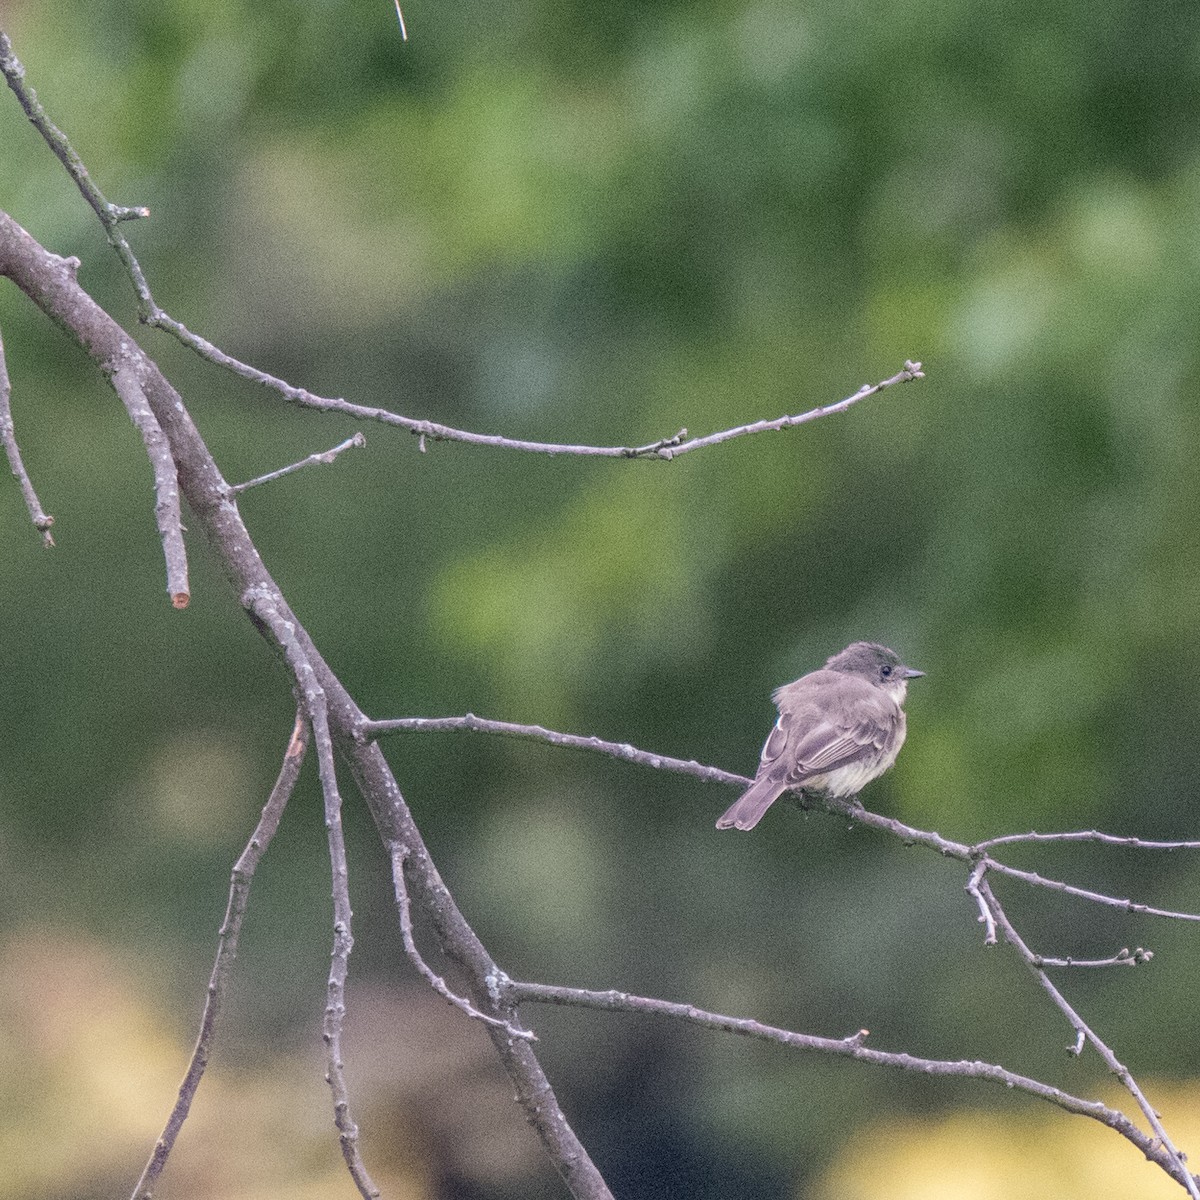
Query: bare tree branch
(1055, 885)
(227, 944)
(1122, 958)
(992, 916)
(151, 314)
(664, 449)
(469, 723)
(853, 810)
(41, 520)
(111, 215)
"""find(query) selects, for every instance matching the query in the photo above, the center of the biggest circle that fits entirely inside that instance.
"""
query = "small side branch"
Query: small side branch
(324, 458)
(1123, 958)
(985, 913)
(404, 908)
(235, 909)
(167, 511)
(910, 371)
(41, 519)
(1130, 906)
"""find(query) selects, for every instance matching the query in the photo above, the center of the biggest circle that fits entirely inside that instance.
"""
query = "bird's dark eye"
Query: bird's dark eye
(885, 670)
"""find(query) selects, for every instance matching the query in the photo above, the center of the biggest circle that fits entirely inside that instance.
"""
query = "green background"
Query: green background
(599, 223)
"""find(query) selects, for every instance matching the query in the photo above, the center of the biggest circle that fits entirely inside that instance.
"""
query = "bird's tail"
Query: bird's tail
(747, 811)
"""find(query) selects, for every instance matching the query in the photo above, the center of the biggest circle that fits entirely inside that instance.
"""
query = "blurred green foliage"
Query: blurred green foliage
(590, 223)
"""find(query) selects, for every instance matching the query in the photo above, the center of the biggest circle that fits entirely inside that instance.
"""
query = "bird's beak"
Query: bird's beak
(912, 673)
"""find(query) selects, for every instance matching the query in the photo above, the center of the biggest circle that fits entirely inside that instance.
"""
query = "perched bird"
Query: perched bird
(838, 728)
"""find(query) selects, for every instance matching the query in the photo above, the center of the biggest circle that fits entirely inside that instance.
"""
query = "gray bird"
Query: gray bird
(838, 728)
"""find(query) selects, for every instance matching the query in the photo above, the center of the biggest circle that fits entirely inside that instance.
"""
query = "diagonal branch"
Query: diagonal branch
(231, 927)
(1130, 906)
(435, 981)
(167, 512)
(324, 458)
(41, 520)
(111, 215)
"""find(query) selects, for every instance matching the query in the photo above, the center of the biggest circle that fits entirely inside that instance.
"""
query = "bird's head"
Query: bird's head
(876, 663)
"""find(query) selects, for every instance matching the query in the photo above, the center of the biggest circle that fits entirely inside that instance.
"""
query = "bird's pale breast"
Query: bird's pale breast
(853, 777)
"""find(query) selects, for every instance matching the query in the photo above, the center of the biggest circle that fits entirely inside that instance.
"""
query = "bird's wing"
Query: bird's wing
(819, 741)
(775, 760)
(825, 747)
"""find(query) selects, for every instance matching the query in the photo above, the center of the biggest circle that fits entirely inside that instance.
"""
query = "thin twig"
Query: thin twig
(111, 215)
(312, 698)
(227, 944)
(1084, 1033)
(324, 458)
(1085, 835)
(910, 371)
(398, 855)
(1123, 958)
(853, 1047)
(1067, 889)
(41, 520)
(664, 449)
(167, 510)
(959, 850)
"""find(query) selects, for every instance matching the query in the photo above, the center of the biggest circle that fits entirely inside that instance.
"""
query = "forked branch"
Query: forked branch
(52, 287)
